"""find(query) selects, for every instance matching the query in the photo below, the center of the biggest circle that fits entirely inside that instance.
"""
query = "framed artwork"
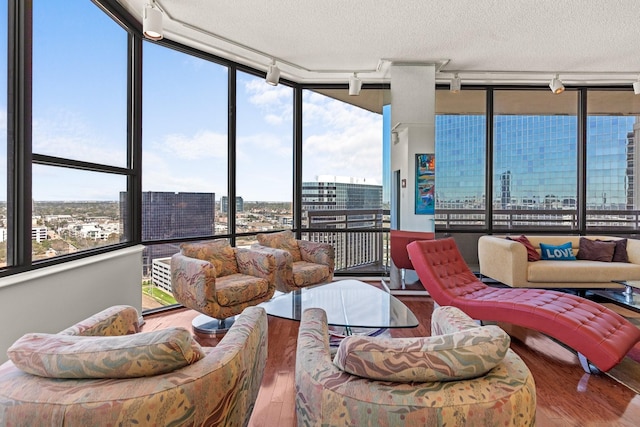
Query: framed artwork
(425, 184)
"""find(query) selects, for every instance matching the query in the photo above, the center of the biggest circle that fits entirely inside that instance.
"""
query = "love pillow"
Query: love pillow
(562, 252)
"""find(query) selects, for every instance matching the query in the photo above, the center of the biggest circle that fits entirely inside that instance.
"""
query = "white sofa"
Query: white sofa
(506, 261)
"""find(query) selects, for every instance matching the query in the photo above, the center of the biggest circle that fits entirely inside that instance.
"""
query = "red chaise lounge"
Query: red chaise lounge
(601, 337)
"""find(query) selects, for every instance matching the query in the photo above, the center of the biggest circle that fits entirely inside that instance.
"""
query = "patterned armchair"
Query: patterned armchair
(220, 281)
(112, 381)
(465, 374)
(299, 263)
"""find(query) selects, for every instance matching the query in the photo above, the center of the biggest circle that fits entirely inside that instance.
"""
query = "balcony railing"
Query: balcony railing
(359, 236)
(538, 219)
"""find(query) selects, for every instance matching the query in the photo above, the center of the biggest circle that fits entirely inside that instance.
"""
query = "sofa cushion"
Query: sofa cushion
(562, 252)
(581, 271)
(620, 254)
(532, 253)
(282, 240)
(595, 250)
(459, 355)
(126, 356)
(217, 252)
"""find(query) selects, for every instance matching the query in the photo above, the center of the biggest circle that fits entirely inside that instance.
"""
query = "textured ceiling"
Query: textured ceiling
(518, 41)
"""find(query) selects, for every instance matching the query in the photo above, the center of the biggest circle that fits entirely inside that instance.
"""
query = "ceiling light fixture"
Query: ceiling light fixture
(273, 74)
(152, 22)
(355, 84)
(556, 85)
(455, 84)
(636, 86)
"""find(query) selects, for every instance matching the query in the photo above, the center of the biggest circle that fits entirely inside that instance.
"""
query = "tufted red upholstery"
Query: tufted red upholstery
(601, 335)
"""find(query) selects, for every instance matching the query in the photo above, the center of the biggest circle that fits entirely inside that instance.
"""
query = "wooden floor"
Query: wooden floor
(566, 396)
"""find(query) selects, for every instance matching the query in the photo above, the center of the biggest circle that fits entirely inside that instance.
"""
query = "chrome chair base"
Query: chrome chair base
(208, 327)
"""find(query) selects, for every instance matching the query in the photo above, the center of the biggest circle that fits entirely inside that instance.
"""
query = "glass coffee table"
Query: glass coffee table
(626, 296)
(349, 304)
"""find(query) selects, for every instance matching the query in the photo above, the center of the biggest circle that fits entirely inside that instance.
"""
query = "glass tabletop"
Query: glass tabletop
(348, 303)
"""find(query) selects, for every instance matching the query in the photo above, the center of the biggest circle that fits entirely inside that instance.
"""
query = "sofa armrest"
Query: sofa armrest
(256, 263)
(633, 251)
(448, 320)
(112, 321)
(503, 260)
(316, 377)
(318, 253)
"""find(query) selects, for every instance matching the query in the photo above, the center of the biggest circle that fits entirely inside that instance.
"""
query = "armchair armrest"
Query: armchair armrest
(318, 253)
(256, 263)
(283, 266)
(113, 321)
(193, 281)
(503, 260)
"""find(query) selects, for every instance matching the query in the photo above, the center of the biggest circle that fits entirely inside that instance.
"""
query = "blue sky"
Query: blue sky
(79, 112)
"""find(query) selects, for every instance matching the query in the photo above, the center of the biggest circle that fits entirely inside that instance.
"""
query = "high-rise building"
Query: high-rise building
(334, 202)
(505, 193)
(168, 215)
(633, 187)
(534, 162)
(224, 204)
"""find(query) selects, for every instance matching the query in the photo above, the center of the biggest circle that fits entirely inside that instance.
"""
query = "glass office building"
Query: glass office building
(167, 215)
(544, 163)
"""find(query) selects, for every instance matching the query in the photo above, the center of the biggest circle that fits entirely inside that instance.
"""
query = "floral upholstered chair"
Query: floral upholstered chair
(299, 263)
(220, 281)
(99, 372)
(464, 374)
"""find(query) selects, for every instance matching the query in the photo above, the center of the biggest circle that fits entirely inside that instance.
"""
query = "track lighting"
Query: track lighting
(556, 85)
(455, 84)
(273, 74)
(355, 84)
(152, 22)
(636, 87)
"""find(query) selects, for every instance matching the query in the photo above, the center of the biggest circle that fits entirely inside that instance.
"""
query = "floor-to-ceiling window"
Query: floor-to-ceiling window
(264, 157)
(342, 178)
(3, 133)
(185, 159)
(81, 162)
(79, 128)
(535, 177)
(613, 135)
(460, 158)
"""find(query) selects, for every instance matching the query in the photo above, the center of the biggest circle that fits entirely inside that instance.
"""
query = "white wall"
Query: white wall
(413, 116)
(51, 299)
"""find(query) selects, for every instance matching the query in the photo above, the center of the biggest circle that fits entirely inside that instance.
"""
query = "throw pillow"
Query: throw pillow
(282, 240)
(532, 254)
(218, 252)
(125, 356)
(595, 250)
(620, 254)
(456, 356)
(562, 252)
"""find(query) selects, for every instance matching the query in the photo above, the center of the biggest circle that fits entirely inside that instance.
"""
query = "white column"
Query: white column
(413, 92)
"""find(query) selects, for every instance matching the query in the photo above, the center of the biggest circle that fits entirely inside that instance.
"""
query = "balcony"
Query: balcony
(360, 238)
